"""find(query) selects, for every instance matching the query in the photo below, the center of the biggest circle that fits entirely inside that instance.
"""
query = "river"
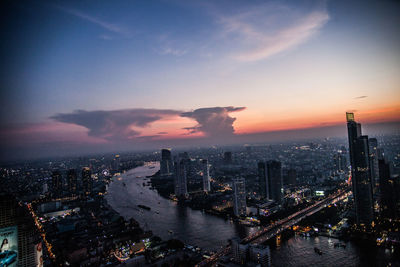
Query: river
(168, 220)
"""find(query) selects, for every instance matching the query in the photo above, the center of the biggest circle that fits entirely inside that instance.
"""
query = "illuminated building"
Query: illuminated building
(373, 155)
(180, 178)
(260, 255)
(206, 175)
(239, 197)
(87, 182)
(361, 171)
(56, 179)
(262, 180)
(389, 191)
(274, 176)
(116, 163)
(239, 251)
(166, 166)
(17, 227)
(72, 180)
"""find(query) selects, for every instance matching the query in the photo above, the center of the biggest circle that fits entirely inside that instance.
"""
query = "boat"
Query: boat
(317, 250)
(144, 184)
(170, 231)
(157, 212)
(124, 184)
(144, 207)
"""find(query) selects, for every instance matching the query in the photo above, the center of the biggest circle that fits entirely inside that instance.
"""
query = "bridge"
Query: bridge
(274, 229)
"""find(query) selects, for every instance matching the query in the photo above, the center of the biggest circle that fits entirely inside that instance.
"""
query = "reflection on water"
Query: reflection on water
(168, 220)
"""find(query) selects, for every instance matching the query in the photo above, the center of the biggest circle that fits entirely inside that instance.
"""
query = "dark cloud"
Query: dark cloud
(214, 121)
(361, 97)
(114, 125)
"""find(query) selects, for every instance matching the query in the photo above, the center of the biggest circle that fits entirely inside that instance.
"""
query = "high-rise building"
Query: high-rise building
(361, 171)
(260, 255)
(339, 162)
(116, 164)
(292, 176)
(274, 175)
(87, 182)
(239, 197)
(57, 183)
(228, 157)
(262, 180)
(206, 175)
(18, 233)
(239, 251)
(180, 180)
(373, 155)
(166, 166)
(389, 192)
(72, 180)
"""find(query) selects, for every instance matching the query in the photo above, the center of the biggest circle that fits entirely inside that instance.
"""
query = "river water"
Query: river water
(168, 220)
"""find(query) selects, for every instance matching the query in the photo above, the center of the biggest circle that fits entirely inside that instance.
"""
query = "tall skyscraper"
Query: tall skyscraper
(87, 182)
(292, 176)
(373, 155)
(239, 197)
(72, 179)
(389, 192)
(166, 166)
(262, 180)
(361, 171)
(206, 175)
(18, 229)
(180, 180)
(116, 163)
(56, 187)
(274, 175)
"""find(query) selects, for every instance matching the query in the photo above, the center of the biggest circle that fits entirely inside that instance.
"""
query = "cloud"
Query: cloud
(361, 97)
(213, 122)
(270, 29)
(116, 125)
(104, 24)
(172, 51)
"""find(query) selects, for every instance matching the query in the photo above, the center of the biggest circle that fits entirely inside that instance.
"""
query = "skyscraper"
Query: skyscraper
(56, 179)
(166, 166)
(274, 175)
(228, 157)
(239, 197)
(206, 175)
(373, 155)
(360, 171)
(87, 182)
(389, 192)
(262, 180)
(180, 180)
(72, 179)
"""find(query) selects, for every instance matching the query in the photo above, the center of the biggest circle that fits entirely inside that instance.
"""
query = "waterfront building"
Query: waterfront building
(180, 178)
(239, 251)
(239, 197)
(260, 255)
(87, 182)
(274, 176)
(166, 165)
(206, 175)
(360, 171)
(72, 180)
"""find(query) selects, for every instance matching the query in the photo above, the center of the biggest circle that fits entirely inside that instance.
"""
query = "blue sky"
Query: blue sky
(284, 61)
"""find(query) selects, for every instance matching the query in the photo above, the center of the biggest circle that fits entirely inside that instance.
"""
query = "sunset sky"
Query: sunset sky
(77, 76)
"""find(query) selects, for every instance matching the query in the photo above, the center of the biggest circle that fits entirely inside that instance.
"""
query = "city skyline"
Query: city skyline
(82, 78)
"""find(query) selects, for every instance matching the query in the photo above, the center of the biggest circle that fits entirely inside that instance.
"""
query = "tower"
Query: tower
(87, 182)
(180, 180)
(72, 180)
(262, 180)
(56, 180)
(239, 197)
(206, 175)
(360, 171)
(166, 166)
(274, 180)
